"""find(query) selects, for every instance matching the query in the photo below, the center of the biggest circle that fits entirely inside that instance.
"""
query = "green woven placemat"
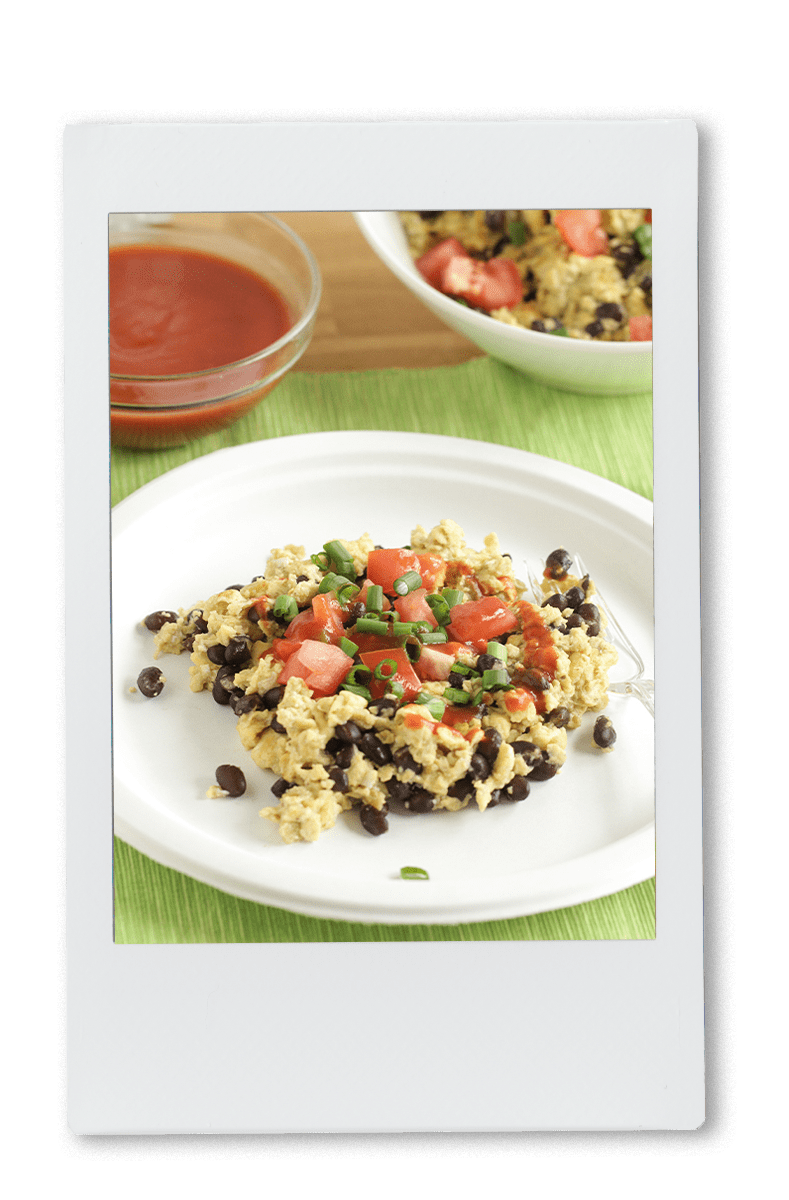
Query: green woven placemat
(482, 399)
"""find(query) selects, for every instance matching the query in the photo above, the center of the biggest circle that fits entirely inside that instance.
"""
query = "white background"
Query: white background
(144, 1056)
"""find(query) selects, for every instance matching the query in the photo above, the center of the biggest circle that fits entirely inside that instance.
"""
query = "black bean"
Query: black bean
(339, 779)
(373, 820)
(594, 328)
(560, 717)
(216, 654)
(479, 767)
(220, 692)
(604, 733)
(590, 614)
(195, 617)
(383, 708)
(558, 563)
(238, 651)
(557, 600)
(420, 801)
(398, 790)
(404, 760)
(574, 596)
(456, 681)
(627, 256)
(531, 294)
(188, 642)
(503, 241)
(646, 284)
(489, 746)
(489, 662)
(608, 312)
(355, 610)
(280, 788)
(273, 696)
(463, 789)
(349, 731)
(234, 587)
(150, 682)
(574, 622)
(426, 216)
(495, 798)
(344, 756)
(535, 679)
(518, 788)
(544, 769)
(231, 779)
(277, 726)
(530, 753)
(539, 327)
(373, 748)
(495, 218)
(155, 620)
(302, 578)
(333, 745)
(245, 704)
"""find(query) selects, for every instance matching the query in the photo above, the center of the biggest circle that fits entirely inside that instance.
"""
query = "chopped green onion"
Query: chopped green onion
(285, 607)
(433, 636)
(408, 582)
(459, 668)
(434, 704)
(421, 627)
(439, 607)
(413, 873)
(413, 648)
(346, 594)
(643, 236)
(452, 596)
(332, 582)
(379, 670)
(497, 650)
(371, 625)
(348, 647)
(375, 598)
(460, 300)
(495, 679)
(321, 561)
(396, 688)
(357, 690)
(456, 695)
(560, 331)
(359, 675)
(403, 628)
(516, 232)
(336, 552)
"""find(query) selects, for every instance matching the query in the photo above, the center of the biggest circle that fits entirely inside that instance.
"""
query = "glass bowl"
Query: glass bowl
(150, 411)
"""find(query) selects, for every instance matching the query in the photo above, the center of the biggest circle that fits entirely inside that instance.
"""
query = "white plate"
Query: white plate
(210, 523)
(570, 364)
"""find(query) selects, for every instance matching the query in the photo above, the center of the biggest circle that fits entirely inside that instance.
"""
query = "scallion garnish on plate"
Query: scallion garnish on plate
(413, 873)
(285, 607)
(408, 582)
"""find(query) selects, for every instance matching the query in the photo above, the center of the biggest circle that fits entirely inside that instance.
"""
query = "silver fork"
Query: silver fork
(636, 685)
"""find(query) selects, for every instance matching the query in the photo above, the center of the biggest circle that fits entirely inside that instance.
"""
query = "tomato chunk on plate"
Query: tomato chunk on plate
(322, 667)
(414, 607)
(478, 621)
(488, 285)
(323, 623)
(640, 328)
(403, 674)
(384, 566)
(433, 262)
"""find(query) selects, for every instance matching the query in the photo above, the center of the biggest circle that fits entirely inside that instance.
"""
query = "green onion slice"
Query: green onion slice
(359, 675)
(347, 593)
(559, 332)
(396, 688)
(348, 647)
(459, 668)
(434, 704)
(413, 873)
(452, 596)
(379, 672)
(495, 679)
(320, 560)
(516, 232)
(357, 690)
(497, 650)
(403, 628)
(440, 607)
(286, 607)
(408, 582)
(433, 636)
(375, 598)
(371, 625)
(456, 696)
(413, 648)
(332, 582)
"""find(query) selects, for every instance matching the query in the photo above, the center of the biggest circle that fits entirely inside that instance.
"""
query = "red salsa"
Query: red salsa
(175, 311)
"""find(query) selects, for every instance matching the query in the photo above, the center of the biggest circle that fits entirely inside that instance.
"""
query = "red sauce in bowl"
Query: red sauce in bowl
(175, 312)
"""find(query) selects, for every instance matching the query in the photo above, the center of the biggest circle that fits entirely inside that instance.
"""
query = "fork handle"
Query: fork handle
(642, 689)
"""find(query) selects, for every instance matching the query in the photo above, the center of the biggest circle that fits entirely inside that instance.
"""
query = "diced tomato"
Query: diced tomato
(414, 607)
(640, 328)
(432, 263)
(384, 566)
(488, 285)
(432, 664)
(282, 649)
(432, 568)
(477, 621)
(581, 230)
(363, 595)
(404, 674)
(321, 666)
(322, 623)
(647, 216)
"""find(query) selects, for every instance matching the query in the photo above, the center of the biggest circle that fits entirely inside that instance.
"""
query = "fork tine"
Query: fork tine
(627, 645)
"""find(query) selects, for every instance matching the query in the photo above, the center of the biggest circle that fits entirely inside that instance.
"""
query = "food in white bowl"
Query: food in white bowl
(563, 295)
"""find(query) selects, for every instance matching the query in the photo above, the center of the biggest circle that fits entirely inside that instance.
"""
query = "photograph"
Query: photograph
(382, 575)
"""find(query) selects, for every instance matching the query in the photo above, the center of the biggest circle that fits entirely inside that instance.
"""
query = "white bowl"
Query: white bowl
(597, 368)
